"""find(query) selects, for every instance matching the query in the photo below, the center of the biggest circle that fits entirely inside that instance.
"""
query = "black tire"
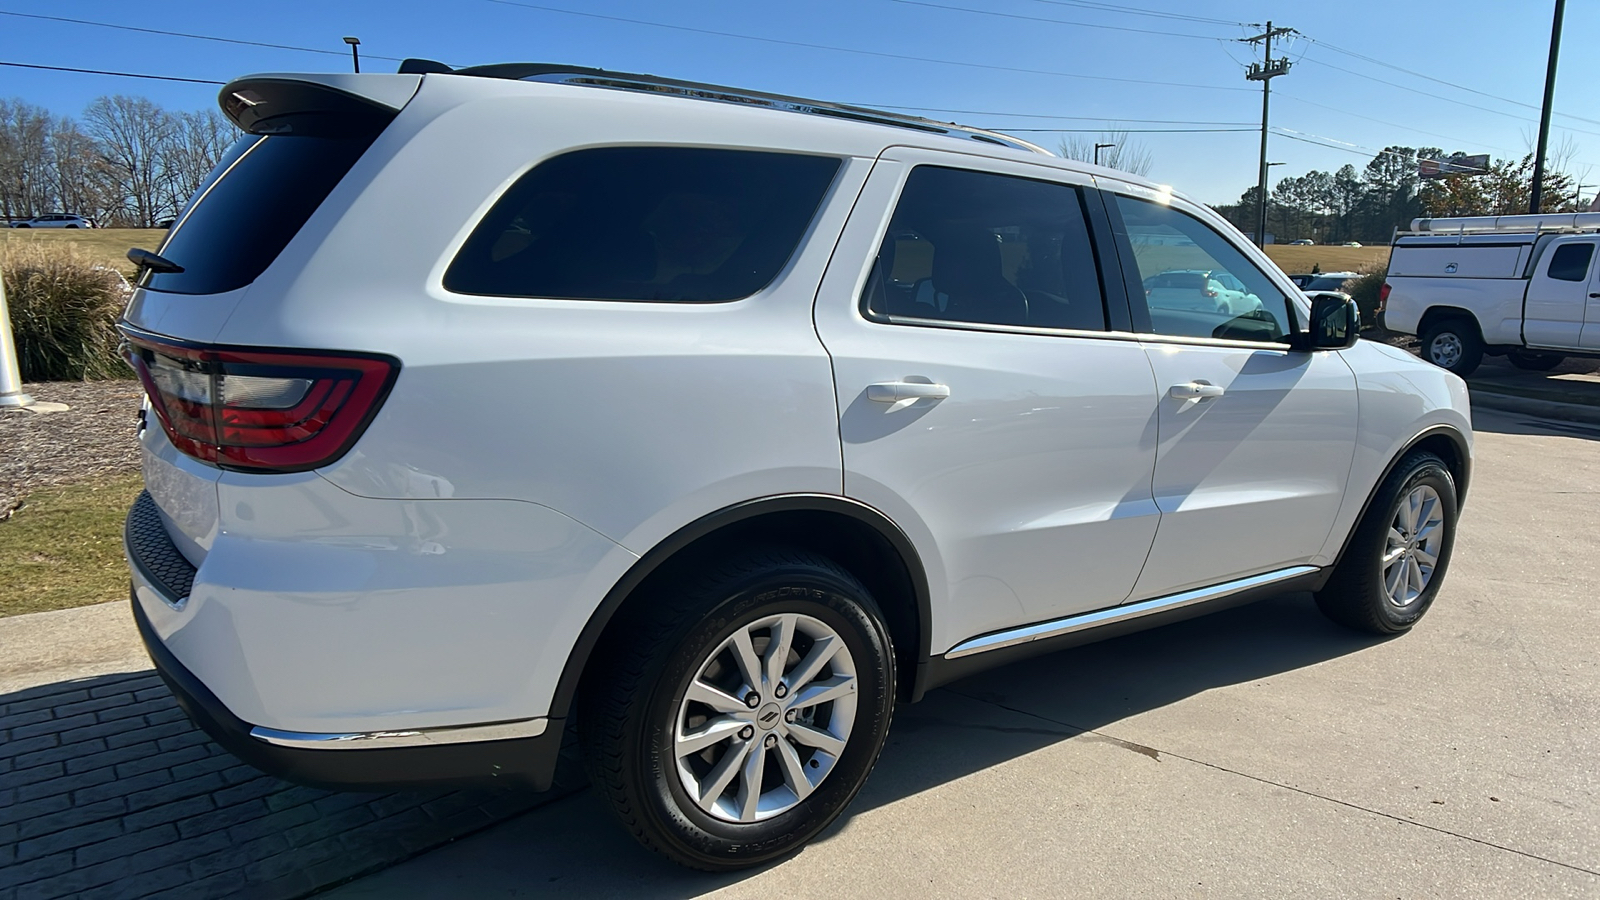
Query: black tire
(1357, 595)
(1453, 344)
(22, 226)
(632, 707)
(1532, 361)
(72, 226)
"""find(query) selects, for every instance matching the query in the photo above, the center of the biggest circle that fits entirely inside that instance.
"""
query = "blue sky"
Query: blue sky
(1487, 56)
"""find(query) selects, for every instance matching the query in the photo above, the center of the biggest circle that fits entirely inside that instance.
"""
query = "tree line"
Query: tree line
(1366, 206)
(126, 163)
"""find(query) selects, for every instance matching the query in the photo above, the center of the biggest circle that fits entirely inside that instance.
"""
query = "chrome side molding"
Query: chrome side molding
(1070, 624)
(426, 737)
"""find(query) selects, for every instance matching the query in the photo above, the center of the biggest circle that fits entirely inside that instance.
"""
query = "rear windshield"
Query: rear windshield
(243, 216)
(644, 223)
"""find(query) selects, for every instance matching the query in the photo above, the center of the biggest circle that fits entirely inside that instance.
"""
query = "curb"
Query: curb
(1550, 409)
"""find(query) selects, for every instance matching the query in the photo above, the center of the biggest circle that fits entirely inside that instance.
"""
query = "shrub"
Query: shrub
(1364, 290)
(63, 313)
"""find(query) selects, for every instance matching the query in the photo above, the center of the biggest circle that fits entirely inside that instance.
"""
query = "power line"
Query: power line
(1002, 129)
(1465, 142)
(1129, 10)
(1437, 96)
(874, 53)
(1005, 15)
(105, 72)
(1425, 77)
(195, 37)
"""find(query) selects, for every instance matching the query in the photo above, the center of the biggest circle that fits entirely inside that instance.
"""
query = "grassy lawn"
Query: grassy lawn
(63, 548)
(107, 246)
(1295, 260)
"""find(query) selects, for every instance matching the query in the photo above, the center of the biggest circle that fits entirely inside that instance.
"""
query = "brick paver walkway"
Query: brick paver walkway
(108, 791)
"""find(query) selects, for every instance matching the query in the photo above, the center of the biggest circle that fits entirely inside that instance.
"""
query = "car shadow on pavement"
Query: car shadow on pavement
(108, 790)
(576, 846)
(1500, 422)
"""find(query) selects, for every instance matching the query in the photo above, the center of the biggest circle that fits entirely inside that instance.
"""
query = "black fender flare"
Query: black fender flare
(578, 657)
(1463, 478)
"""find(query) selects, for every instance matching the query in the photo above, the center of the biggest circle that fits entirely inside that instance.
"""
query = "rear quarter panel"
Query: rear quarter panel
(1495, 302)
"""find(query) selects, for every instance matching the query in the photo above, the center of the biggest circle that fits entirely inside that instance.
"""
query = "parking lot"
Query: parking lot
(1258, 752)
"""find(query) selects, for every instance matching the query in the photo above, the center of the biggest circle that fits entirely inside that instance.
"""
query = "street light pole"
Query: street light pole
(1097, 148)
(355, 56)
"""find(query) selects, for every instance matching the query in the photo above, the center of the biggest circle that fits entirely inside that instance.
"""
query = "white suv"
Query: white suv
(717, 423)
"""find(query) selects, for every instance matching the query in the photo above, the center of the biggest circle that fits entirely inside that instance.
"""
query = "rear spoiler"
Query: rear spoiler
(332, 105)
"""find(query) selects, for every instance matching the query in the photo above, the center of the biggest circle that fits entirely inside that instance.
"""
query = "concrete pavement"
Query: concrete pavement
(1259, 752)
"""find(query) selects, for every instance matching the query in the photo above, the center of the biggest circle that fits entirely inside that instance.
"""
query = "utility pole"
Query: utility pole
(1549, 95)
(1264, 72)
(1097, 149)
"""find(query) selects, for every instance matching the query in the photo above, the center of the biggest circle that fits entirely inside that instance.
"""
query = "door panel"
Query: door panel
(1255, 441)
(1027, 486)
(1553, 315)
(1249, 481)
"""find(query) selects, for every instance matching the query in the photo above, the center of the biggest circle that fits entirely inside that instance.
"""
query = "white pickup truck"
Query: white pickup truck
(1521, 286)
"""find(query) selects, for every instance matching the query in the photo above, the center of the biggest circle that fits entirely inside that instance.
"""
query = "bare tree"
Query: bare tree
(26, 188)
(134, 135)
(196, 143)
(84, 183)
(1125, 153)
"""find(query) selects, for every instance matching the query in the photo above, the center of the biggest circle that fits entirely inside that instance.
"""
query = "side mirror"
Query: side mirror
(1335, 325)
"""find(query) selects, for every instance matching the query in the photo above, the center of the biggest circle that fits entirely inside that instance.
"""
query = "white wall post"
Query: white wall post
(10, 376)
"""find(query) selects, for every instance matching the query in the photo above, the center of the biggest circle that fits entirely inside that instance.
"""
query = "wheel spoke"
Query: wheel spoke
(719, 729)
(717, 699)
(823, 691)
(1392, 579)
(807, 669)
(778, 649)
(1392, 554)
(1426, 558)
(744, 653)
(755, 762)
(821, 740)
(716, 780)
(794, 771)
(1417, 580)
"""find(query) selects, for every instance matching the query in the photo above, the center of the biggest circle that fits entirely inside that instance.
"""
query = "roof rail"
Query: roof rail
(556, 73)
(1523, 224)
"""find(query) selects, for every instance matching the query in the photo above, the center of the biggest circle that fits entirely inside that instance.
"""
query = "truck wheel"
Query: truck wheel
(737, 713)
(1529, 361)
(1453, 344)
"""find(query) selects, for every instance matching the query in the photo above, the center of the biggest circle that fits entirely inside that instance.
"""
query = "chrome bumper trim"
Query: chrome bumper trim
(423, 737)
(1058, 627)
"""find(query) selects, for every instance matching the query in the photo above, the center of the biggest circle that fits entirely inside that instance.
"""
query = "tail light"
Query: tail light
(260, 410)
(1383, 297)
(1209, 294)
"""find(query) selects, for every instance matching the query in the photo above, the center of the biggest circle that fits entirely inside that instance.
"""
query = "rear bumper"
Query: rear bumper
(521, 762)
(391, 759)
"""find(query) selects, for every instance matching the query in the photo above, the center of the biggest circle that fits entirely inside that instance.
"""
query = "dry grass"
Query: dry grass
(1295, 260)
(102, 246)
(63, 547)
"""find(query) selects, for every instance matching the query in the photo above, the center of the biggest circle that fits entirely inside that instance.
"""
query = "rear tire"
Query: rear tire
(1397, 557)
(781, 764)
(1453, 344)
(1532, 361)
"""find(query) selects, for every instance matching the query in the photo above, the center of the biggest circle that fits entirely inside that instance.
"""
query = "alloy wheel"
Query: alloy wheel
(1415, 537)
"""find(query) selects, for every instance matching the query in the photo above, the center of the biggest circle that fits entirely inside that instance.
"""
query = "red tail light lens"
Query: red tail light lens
(1383, 297)
(260, 410)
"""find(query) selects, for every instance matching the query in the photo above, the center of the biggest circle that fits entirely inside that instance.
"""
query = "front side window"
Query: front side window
(991, 249)
(1195, 282)
(680, 224)
(1570, 262)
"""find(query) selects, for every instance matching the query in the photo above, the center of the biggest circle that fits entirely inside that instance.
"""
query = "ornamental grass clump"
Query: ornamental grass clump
(63, 313)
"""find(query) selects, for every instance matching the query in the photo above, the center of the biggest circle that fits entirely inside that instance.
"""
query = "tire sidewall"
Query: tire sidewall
(1428, 471)
(1471, 345)
(808, 592)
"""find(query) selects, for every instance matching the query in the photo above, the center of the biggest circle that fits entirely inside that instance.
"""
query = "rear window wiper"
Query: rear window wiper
(144, 259)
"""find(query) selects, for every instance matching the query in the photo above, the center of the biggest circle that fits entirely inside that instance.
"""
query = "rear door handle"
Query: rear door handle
(895, 391)
(1195, 390)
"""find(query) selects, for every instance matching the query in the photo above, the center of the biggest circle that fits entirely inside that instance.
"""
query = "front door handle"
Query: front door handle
(1594, 296)
(895, 391)
(1196, 390)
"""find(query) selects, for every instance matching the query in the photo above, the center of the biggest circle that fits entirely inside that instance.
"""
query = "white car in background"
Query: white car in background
(54, 220)
(721, 423)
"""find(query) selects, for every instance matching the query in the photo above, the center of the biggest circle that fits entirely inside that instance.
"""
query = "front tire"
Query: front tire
(1397, 558)
(1453, 344)
(739, 711)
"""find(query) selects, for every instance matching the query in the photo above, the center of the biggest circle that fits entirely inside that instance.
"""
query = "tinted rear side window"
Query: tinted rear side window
(244, 216)
(644, 223)
(1571, 262)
